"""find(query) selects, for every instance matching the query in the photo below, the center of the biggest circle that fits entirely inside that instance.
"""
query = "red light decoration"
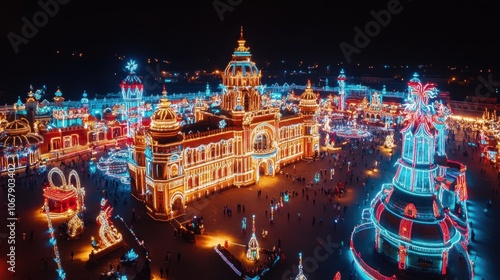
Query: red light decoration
(435, 208)
(380, 209)
(402, 257)
(411, 211)
(445, 230)
(444, 264)
(405, 229)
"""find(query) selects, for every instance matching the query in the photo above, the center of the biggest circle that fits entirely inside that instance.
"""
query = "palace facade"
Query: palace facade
(231, 143)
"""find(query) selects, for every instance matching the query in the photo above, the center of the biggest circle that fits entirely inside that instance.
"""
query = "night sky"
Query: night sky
(193, 35)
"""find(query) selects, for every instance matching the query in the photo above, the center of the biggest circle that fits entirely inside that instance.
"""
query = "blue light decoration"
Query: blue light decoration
(131, 66)
(317, 177)
(413, 219)
(130, 256)
(114, 165)
(244, 224)
(57, 258)
(222, 124)
(132, 88)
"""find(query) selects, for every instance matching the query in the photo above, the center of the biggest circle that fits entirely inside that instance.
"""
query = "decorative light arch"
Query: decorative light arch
(80, 192)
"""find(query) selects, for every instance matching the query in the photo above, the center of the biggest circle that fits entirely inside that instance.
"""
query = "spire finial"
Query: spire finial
(164, 91)
(241, 32)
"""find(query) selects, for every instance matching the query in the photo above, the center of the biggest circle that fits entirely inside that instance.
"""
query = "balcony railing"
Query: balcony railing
(265, 152)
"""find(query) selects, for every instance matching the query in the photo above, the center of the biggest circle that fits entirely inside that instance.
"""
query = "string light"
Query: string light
(108, 233)
(53, 241)
(131, 231)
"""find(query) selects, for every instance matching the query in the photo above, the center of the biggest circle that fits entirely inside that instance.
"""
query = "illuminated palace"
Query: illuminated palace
(231, 143)
(419, 221)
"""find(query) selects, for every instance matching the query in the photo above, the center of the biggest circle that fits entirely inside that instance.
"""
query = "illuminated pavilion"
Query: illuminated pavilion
(231, 143)
(19, 147)
(415, 221)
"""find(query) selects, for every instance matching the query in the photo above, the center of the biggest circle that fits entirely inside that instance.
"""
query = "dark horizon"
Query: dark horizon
(201, 37)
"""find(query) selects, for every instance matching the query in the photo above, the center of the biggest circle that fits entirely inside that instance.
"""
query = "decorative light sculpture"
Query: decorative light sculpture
(301, 275)
(408, 218)
(341, 80)
(68, 198)
(389, 141)
(253, 244)
(115, 165)
(107, 231)
(75, 226)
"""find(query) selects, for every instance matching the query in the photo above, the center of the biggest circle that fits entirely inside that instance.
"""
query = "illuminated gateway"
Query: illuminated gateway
(419, 221)
(229, 144)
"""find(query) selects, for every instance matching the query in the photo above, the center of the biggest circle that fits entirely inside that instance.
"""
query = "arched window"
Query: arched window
(174, 171)
(159, 172)
(188, 156)
(260, 142)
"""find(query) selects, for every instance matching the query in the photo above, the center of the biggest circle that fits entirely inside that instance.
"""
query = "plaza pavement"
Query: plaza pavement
(319, 244)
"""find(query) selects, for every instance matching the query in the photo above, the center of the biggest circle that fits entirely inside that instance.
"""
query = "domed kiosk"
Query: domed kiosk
(19, 147)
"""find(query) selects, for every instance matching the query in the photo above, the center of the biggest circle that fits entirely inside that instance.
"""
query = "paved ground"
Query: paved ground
(319, 244)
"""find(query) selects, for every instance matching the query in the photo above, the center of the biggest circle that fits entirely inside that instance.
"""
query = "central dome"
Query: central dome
(241, 70)
(308, 93)
(164, 114)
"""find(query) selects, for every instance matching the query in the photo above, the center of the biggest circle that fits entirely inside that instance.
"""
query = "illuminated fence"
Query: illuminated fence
(368, 270)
